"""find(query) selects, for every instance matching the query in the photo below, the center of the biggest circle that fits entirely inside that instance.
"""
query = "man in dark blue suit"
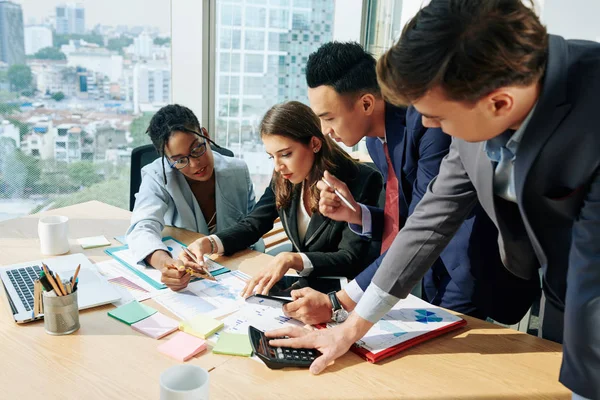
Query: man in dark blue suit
(469, 276)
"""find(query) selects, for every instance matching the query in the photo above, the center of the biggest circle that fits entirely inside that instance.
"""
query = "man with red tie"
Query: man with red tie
(469, 276)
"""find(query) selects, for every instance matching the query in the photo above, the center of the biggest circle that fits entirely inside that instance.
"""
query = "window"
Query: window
(254, 63)
(255, 40)
(266, 74)
(230, 39)
(67, 127)
(256, 17)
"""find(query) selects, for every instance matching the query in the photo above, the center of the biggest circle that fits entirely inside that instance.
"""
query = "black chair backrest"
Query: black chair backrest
(144, 155)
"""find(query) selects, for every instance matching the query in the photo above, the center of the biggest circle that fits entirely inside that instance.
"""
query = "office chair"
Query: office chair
(144, 155)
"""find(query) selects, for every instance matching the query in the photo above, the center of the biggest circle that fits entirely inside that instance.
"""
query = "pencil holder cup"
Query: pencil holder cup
(61, 314)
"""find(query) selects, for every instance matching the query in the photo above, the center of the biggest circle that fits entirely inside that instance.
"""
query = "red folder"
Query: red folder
(373, 358)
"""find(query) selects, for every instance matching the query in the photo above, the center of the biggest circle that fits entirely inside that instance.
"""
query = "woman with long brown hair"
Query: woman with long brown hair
(292, 136)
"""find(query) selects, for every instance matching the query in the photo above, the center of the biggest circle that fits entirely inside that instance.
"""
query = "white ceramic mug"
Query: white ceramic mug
(54, 235)
(184, 382)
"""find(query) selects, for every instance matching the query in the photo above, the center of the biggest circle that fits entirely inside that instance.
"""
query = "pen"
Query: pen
(60, 285)
(189, 253)
(346, 202)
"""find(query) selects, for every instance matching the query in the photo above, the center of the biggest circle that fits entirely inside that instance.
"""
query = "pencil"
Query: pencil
(51, 280)
(60, 285)
(201, 264)
(76, 273)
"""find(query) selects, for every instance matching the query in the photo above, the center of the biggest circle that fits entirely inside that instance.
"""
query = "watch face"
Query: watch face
(340, 316)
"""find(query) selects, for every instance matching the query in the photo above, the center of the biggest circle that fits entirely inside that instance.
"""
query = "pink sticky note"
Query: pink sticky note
(182, 346)
(156, 326)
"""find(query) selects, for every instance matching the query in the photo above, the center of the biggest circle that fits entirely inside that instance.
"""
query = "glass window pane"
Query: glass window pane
(255, 40)
(69, 124)
(256, 17)
(279, 18)
(229, 85)
(271, 71)
(231, 15)
(230, 39)
(253, 63)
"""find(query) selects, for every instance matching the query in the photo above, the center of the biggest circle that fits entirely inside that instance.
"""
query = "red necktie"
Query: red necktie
(391, 212)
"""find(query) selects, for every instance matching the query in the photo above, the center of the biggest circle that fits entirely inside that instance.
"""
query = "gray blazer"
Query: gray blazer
(174, 204)
(556, 223)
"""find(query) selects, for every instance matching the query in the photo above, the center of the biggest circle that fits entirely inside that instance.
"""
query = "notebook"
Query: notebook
(233, 344)
(131, 313)
(156, 326)
(410, 322)
(201, 326)
(182, 346)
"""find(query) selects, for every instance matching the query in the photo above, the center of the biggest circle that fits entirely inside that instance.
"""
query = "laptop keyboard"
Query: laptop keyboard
(22, 280)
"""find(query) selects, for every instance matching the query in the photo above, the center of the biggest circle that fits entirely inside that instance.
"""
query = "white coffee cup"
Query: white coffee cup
(184, 382)
(54, 235)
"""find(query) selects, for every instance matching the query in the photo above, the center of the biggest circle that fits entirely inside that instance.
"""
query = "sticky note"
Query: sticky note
(93, 241)
(201, 326)
(156, 326)
(182, 346)
(131, 313)
(233, 344)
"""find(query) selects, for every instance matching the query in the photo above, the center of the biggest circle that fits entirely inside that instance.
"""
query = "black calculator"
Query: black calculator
(279, 357)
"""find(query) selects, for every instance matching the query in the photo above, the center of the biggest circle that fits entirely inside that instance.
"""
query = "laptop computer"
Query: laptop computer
(92, 290)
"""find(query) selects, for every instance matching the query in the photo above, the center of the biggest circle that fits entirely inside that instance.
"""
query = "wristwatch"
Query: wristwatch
(338, 314)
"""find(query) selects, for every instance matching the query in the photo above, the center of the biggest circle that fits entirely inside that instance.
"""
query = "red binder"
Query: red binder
(373, 358)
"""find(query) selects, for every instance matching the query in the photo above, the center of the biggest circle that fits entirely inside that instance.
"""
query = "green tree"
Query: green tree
(20, 77)
(114, 192)
(58, 96)
(50, 53)
(117, 44)
(138, 129)
(23, 127)
(83, 173)
(160, 41)
(59, 40)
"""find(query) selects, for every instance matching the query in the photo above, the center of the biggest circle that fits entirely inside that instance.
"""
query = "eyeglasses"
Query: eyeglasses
(196, 152)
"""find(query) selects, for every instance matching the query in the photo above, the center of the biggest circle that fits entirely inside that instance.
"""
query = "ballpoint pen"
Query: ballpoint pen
(346, 202)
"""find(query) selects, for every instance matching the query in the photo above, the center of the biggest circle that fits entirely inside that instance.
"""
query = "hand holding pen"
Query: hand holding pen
(336, 201)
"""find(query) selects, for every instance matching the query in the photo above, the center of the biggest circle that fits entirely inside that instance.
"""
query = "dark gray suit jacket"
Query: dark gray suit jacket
(556, 225)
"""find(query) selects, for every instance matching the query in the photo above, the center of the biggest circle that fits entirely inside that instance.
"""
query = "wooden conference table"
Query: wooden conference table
(107, 359)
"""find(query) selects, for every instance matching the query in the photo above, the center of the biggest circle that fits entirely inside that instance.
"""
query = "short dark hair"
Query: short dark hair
(346, 67)
(469, 48)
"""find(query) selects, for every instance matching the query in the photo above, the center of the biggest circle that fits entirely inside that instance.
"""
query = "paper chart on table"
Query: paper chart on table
(129, 285)
(211, 298)
(409, 318)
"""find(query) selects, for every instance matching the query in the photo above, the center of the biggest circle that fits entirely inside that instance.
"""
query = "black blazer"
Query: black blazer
(332, 248)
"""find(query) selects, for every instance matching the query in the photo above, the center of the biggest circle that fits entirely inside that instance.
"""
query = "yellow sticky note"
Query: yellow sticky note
(201, 326)
(93, 241)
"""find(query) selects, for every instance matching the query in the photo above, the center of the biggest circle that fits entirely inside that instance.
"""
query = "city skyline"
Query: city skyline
(131, 12)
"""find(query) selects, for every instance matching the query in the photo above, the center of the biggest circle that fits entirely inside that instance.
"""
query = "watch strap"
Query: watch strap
(335, 303)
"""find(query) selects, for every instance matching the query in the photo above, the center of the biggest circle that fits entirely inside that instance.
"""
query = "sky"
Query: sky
(154, 13)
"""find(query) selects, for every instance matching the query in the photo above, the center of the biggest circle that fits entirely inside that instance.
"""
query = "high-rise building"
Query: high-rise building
(12, 42)
(143, 45)
(262, 49)
(70, 19)
(151, 86)
(37, 38)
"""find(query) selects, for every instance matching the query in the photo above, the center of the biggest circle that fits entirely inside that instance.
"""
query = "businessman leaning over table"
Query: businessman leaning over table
(522, 107)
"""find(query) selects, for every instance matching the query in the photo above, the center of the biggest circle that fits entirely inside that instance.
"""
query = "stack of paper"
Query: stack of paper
(131, 313)
(201, 326)
(182, 346)
(156, 326)
(233, 344)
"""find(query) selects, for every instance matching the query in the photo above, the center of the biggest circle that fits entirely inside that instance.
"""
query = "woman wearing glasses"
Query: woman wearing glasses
(292, 136)
(190, 186)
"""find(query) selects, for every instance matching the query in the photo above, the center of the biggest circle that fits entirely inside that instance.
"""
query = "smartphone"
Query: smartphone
(270, 301)
(284, 287)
